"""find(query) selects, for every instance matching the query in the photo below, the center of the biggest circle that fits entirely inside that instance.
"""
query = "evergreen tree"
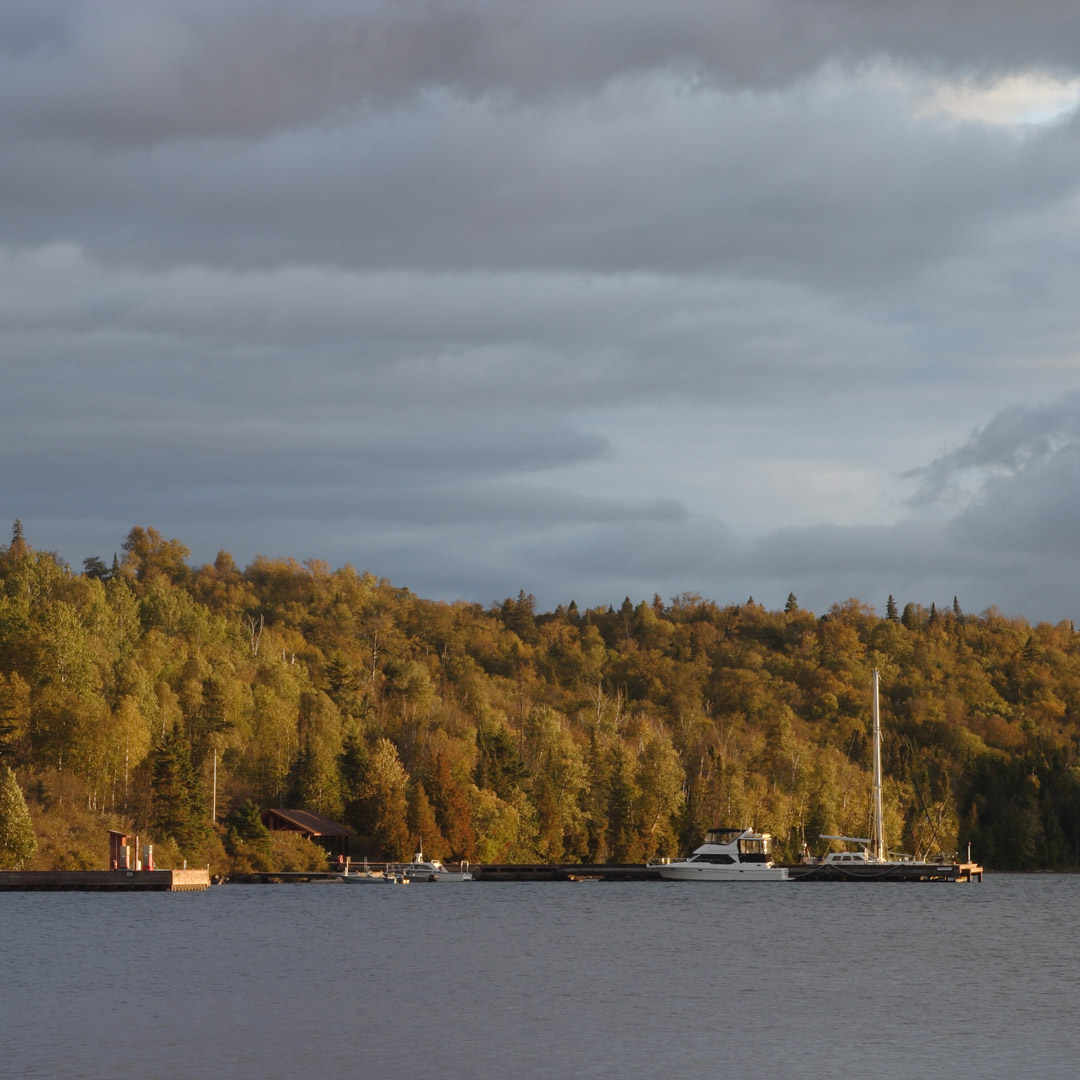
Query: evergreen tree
(498, 765)
(18, 541)
(891, 612)
(178, 808)
(792, 604)
(520, 616)
(17, 840)
(245, 826)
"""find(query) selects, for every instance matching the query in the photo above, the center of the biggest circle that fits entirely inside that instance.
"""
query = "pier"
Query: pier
(563, 872)
(104, 880)
(541, 872)
(890, 871)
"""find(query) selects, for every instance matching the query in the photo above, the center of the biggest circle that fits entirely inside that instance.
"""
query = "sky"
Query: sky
(593, 300)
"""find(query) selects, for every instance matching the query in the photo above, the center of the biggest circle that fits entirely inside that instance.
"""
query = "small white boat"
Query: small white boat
(421, 869)
(727, 855)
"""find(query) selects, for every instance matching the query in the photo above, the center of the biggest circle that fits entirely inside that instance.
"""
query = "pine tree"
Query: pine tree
(18, 541)
(178, 803)
(792, 604)
(891, 612)
(17, 840)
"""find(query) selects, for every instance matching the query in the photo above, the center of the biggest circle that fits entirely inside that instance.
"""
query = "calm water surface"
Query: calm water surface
(545, 980)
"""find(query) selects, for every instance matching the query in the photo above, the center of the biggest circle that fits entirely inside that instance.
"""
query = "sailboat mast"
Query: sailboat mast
(877, 836)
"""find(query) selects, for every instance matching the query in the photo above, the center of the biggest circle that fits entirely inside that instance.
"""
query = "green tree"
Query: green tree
(245, 830)
(94, 567)
(178, 809)
(17, 840)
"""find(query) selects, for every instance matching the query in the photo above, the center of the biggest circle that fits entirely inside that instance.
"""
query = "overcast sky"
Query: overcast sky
(597, 299)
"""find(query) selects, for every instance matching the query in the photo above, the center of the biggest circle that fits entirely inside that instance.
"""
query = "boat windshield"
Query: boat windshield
(722, 836)
(756, 845)
(755, 848)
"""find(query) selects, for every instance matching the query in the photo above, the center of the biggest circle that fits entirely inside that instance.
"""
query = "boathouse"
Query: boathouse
(329, 835)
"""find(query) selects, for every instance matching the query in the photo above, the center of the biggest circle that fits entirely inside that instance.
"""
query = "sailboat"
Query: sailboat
(873, 861)
(872, 848)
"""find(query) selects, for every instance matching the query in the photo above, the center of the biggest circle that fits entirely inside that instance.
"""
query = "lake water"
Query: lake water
(545, 980)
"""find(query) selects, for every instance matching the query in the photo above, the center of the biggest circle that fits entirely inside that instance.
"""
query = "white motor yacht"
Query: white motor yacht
(727, 855)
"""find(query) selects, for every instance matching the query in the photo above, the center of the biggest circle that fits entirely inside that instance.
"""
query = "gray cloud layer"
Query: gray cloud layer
(594, 299)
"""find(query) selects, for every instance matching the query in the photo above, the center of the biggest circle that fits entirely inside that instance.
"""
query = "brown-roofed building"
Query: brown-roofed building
(329, 835)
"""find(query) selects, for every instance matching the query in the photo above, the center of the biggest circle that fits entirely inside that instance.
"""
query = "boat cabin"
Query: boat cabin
(755, 847)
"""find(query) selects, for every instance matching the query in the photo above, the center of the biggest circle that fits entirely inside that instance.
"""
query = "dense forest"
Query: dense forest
(177, 700)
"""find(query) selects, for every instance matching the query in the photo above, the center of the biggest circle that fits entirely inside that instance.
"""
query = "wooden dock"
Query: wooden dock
(104, 880)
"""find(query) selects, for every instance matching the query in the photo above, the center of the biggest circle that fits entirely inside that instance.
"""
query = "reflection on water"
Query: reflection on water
(545, 980)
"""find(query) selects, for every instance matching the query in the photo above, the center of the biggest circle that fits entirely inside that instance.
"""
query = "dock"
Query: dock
(893, 871)
(104, 880)
(563, 872)
(496, 872)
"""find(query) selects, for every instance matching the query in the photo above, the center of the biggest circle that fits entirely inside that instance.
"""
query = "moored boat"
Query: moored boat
(421, 869)
(727, 855)
(872, 860)
(367, 876)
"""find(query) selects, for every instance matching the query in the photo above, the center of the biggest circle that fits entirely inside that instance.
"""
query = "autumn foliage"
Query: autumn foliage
(506, 734)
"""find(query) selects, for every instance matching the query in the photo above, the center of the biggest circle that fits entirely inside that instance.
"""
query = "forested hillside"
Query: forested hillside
(507, 734)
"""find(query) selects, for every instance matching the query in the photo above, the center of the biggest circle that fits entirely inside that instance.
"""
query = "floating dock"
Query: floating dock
(104, 880)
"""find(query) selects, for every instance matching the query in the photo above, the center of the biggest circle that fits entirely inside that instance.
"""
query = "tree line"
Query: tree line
(177, 701)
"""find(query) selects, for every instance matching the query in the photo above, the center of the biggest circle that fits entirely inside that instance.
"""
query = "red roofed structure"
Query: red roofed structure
(329, 835)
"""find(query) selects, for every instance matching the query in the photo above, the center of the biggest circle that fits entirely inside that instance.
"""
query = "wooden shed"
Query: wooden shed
(329, 835)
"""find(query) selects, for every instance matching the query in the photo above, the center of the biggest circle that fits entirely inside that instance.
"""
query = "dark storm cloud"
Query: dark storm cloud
(146, 71)
(832, 186)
